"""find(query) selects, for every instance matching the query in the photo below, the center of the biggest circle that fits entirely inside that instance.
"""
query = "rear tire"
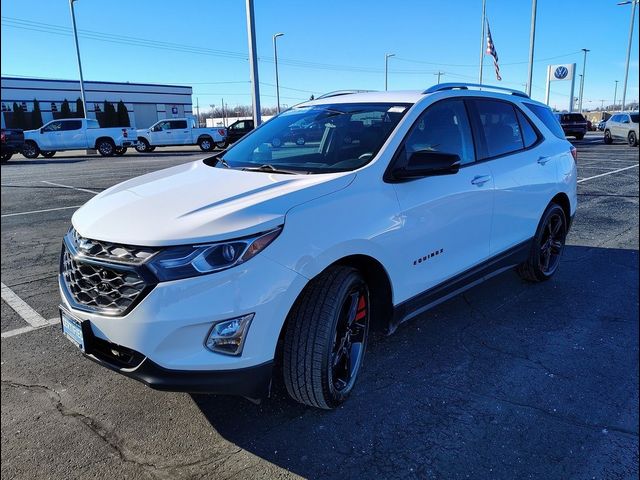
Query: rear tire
(120, 151)
(607, 137)
(48, 153)
(547, 246)
(632, 139)
(106, 147)
(6, 157)
(206, 144)
(30, 149)
(325, 338)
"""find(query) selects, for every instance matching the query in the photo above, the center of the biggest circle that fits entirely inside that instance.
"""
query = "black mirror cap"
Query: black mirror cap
(426, 163)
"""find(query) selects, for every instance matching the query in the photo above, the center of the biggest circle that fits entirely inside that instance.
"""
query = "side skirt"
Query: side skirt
(450, 288)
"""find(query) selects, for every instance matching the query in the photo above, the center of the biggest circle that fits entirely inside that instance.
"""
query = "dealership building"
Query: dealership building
(146, 103)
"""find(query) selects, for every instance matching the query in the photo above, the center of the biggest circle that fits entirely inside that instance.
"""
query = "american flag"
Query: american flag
(491, 50)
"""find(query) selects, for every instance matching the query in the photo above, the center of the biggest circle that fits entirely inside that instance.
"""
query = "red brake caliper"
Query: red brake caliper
(362, 308)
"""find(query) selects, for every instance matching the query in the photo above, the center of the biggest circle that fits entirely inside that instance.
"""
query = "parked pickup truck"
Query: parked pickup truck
(12, 142)
(180, 131)
(77, 134)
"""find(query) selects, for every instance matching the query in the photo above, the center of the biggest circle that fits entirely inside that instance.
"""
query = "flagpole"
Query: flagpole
(484, 10)
(532, 41)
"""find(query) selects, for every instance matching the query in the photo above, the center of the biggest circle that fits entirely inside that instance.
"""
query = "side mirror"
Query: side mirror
(427, 163)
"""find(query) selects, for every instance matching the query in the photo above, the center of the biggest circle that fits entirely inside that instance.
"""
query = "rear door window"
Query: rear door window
(546, 116)
(528, 131)
(500, 127)
(178, 124)
(72, 125)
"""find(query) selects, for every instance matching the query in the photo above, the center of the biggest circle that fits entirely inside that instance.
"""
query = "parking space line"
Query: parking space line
(608, 173)
(28, 314)
(29, 328)
(39, 211)
(70, 187)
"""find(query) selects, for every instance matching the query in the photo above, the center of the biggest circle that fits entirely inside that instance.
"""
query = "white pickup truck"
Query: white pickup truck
(77, 134)
(180, 131)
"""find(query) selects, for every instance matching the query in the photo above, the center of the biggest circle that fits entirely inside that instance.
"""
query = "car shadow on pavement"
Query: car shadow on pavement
(61, 160)
(507, 380)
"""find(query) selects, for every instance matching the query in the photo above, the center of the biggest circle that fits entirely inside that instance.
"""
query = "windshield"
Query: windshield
(317, 139)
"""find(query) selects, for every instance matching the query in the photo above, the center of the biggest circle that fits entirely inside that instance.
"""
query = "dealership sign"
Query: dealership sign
(562, 72)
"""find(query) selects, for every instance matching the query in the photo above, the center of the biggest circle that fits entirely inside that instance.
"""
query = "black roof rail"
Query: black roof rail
(337, 93)
(465, 86)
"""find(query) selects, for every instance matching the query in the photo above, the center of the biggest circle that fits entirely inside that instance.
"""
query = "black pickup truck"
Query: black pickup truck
(12, 142)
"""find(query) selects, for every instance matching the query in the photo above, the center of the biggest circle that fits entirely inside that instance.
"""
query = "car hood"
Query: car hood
(194, 203)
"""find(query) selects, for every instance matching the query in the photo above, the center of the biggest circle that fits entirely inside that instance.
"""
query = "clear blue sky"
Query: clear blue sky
(328, 45)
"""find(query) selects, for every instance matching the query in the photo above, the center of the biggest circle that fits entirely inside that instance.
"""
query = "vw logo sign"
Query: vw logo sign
(561, 73)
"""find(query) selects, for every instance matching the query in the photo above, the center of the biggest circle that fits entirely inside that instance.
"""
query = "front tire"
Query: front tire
(106, 147)
(30, 149)
(632, 139)
(326, 337)
(143, 146)
(6, 157)
(48, 153)
(547, 246)
(607, 137)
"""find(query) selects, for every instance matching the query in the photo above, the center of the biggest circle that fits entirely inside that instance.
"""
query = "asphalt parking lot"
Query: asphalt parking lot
(510, 380)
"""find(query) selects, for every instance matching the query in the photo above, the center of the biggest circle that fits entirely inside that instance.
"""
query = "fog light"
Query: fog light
(227, 336)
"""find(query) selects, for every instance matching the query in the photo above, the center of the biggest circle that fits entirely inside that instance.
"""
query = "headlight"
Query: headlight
(189, 261)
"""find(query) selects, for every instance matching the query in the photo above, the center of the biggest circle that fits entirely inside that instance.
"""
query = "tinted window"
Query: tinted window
(53, 127)
(547, 117)
(443, 127)
(634, 117)
(500, 126)
(72, 125)
(528, 132)
(239, 126)
(176, 124)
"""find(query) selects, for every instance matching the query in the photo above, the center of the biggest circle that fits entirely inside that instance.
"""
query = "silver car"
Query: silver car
(622, 126)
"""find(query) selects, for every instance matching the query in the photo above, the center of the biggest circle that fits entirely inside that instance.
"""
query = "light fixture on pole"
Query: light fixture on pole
(626, 69)
(75, 36)
(584, 66)
(532, 41)
(386, 69)
(275, 58)
(615, 95)
(253, 65)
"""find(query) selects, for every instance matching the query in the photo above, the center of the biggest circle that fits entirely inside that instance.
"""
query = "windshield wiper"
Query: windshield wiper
(271, 169)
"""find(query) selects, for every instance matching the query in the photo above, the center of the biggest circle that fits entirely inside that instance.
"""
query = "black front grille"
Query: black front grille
(109, 289)
(108, 251)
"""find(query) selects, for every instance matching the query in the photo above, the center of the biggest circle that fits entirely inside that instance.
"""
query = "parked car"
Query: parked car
(204, 276)
(301, 134)
(77, 134)
(180, 131)
(573, 124)
(622, 126)
(12, 142)
(238, 129)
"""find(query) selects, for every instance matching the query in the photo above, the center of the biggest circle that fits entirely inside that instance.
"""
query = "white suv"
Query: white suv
(275, 256)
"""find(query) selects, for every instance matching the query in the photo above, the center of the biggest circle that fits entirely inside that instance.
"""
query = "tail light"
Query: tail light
(4, 137)
(125, 134)
(574, 153)
(222, 132)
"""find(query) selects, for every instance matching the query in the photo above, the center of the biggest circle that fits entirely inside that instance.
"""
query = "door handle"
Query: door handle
(480, 180)
(543, 160)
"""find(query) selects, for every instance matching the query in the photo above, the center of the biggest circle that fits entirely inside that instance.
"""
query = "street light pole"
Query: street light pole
(615, 95)
(386, 69)
(584, 66)
(75, 36)
(253, 64)
(532, 41)
(484, 12)
(626, 69)
(275, 57)
(439, 74)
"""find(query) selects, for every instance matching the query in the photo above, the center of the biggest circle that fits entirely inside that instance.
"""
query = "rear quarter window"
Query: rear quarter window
(546, 116)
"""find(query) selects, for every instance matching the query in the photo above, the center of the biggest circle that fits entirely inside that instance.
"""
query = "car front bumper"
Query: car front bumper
(163, 337)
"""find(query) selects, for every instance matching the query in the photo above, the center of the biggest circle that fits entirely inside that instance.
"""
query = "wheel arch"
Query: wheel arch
(562, 199)
(204, 136)
(95, 145)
